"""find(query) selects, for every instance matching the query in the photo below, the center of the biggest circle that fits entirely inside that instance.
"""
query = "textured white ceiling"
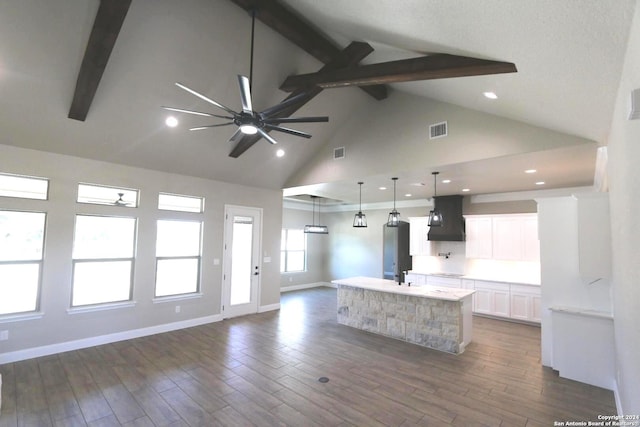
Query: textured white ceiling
(569, 55)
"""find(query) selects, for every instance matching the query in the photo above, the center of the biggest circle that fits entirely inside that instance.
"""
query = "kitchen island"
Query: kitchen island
(430, 316)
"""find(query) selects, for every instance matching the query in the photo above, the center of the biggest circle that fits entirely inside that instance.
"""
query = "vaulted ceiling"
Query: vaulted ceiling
(568, 57)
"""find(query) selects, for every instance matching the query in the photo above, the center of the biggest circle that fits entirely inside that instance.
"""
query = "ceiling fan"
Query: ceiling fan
(120, 202)
(248, 121)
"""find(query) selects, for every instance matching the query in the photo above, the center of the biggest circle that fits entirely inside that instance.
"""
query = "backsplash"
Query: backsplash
(487, 269)
(454, 264)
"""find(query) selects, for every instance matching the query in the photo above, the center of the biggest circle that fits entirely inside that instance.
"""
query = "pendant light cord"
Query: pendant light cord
(435, 174)
(394, 193)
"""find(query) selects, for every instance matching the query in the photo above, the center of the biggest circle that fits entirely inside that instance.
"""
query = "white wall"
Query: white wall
(624, 182)
(57, 325)
(392, 135)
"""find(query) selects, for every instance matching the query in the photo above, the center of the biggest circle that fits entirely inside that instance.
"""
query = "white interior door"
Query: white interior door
(241, 264)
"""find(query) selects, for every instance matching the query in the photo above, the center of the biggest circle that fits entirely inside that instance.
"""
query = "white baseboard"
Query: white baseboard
(306, 286)
(47, 350)
(617, 398)
(270, 307)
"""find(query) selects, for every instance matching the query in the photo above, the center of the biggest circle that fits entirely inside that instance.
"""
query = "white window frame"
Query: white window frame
(177, 208)
(131, 196)
(78, 261)
(198, 257)
(14, 191)
(284, 253)
(39, 262)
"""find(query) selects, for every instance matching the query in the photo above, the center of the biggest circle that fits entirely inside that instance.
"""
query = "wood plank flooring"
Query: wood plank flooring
(264, 370)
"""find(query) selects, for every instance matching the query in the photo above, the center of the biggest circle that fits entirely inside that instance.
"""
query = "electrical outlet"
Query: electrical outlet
(177, 309)
(4, 335)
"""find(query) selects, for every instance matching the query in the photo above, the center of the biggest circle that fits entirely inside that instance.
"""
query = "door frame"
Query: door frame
(229, 210)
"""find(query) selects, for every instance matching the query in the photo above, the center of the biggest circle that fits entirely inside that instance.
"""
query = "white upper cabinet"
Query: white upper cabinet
(509, 237)
(418, 236)
(531, 242)
(479, 243)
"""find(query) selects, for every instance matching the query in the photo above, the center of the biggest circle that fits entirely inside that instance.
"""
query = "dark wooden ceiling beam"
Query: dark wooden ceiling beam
(349, 57)
(437, 66)
(300, 32)
(106, 27)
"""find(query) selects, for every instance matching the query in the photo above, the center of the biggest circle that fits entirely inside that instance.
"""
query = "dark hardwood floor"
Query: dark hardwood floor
(264, 370)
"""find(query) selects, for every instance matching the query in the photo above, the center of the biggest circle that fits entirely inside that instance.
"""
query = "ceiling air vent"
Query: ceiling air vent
(338, 153)
(438, 130)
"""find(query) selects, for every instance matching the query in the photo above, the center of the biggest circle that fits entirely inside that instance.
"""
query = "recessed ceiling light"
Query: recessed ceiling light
(540, 183)
(280, 152)
(382, 188)
(465, 190)
(490, 95)
(408, 195)
(171, 122)
(446, 181)
(530, 171)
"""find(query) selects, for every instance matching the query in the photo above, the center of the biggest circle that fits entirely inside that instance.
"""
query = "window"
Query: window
(293, 251)
(178, 257)
(104, 195)
(174, 202)
(23, 186)
(21, 248)
(103, 251)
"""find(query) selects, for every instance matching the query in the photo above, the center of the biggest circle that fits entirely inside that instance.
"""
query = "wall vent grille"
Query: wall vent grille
(338, 153)
(438, 130)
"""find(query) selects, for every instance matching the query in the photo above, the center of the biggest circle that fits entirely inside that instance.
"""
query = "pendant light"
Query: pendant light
(316, 229)
(360, 219)
(394, 215)
(435, 217)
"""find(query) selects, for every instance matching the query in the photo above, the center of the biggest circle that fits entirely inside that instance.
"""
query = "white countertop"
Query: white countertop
(582, 312)
(390, 286)
(514, 280)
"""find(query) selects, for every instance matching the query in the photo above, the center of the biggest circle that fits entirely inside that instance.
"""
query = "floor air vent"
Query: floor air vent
(338, 153)
(438, 130)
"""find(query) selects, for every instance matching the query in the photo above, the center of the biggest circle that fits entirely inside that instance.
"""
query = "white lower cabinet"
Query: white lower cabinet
(492, 298)
(416, 279)
(500, 299)
(447, 282)
(519, 302)
(525, 303)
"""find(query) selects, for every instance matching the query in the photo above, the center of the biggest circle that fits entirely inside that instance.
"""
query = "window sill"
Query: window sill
(100, 307)
(171, 298)
(9, 318)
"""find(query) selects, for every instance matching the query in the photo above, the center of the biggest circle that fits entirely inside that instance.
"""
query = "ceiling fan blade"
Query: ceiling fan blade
(267, 136)
(296, 119)
(197, 113)
(236, 136)
(211, 126)
(287, 130)
(245, 94)
(272, 111)
(209, 100)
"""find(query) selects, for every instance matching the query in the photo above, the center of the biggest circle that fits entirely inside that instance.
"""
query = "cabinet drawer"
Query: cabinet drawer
(449, 282)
